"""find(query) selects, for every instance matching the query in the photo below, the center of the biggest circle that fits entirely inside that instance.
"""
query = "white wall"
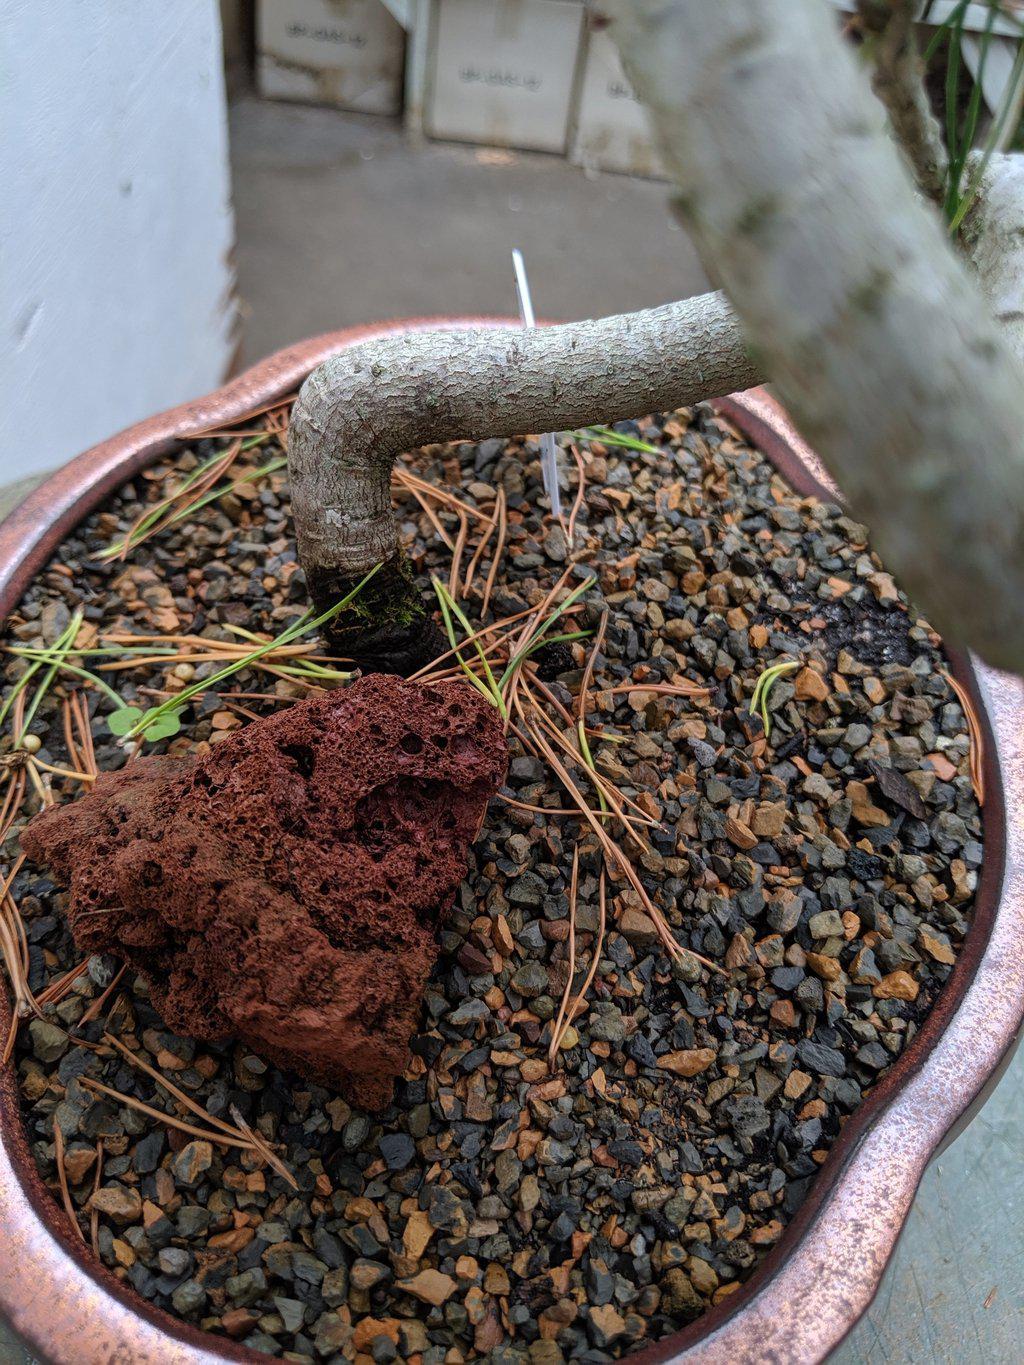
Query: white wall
(116, 233)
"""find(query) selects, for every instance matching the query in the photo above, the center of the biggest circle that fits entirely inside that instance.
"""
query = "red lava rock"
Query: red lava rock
(286, 888)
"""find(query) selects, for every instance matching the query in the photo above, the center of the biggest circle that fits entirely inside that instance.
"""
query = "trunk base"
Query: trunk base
(387, 628)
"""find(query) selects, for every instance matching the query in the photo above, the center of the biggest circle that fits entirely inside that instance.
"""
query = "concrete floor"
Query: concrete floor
(340, 222)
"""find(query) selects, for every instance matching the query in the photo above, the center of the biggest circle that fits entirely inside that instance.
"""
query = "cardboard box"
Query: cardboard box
(348, 53)
(502, 72)
(611, 129)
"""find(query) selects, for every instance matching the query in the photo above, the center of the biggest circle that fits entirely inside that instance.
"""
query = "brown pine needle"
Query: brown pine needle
(94, 1215)
(601, 783)
(538, 683)
(69, 732)
(975, 735)
(176, 502)
(527, 634)
(426, 674)
(264, 1149)
(457, 553)
(529, 746)
(97, 1006)
(617, 856)
(205, 643)
(546, 810)
(540, 612)
(14, 957)
(447, 499)
(499, 550)
(588, 672)
(281, 405)
(546, 752)
(132, 1103)
(240, 710)
(581, 489)
(62, 1176)
(579, 1002)
(432, 517)
(556, 1032)
(78, 735)
(14, 952)
(478, 553)
(13, 797)
(61, 986)
(240, 1127)
(186, 1100)
(666, 689)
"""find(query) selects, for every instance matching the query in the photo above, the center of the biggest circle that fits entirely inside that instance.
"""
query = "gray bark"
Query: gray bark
(879, 342)
(993, 237)
(356, 412)
(898, 81)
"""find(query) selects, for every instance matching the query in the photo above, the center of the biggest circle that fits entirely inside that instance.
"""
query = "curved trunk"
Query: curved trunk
(356, 412)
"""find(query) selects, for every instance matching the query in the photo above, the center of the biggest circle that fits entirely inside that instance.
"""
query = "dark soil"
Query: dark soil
(286, 888)
(495, 1209)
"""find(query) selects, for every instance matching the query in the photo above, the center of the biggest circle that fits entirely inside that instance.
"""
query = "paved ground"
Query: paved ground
(340, 222)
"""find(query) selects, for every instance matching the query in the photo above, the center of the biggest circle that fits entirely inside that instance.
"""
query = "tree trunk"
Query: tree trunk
(850, 294)
(356, 412)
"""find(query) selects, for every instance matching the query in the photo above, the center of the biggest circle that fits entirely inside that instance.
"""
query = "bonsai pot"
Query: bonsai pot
(821, 1276)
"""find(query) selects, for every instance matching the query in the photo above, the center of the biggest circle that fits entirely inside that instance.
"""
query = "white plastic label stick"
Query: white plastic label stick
(548, 446)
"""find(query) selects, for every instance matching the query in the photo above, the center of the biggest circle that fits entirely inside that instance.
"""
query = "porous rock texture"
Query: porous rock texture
(286, 888)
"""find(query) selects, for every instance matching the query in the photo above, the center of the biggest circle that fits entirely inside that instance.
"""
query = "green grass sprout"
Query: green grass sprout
(54, 658)
(763, 686)
(172, 707)
(610, 437)
(537, 639)
(450, 607)
(161, 517)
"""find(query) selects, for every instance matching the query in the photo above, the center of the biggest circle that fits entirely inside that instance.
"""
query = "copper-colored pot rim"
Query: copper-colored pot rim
(822, 1275)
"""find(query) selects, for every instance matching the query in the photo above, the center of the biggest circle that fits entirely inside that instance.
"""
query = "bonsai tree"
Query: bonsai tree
(896, 343)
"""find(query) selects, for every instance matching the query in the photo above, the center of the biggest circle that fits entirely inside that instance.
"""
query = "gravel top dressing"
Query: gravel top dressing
(501, 1206)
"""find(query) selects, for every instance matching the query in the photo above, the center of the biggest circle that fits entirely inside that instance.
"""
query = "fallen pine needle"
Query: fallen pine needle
(975, 736)
(61, 986)
(255, 1140)
(190, 1104)
(499, 550)
(163, 1117)
(96, 1008)
(94, 1214)
(264, 1149)
(557, 1032)
(575, 1009)
(62, 1176)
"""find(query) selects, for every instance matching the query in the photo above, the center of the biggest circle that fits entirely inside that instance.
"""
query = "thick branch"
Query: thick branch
(358, 411)
(993, 237)
(880, 343)
(898, 81)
